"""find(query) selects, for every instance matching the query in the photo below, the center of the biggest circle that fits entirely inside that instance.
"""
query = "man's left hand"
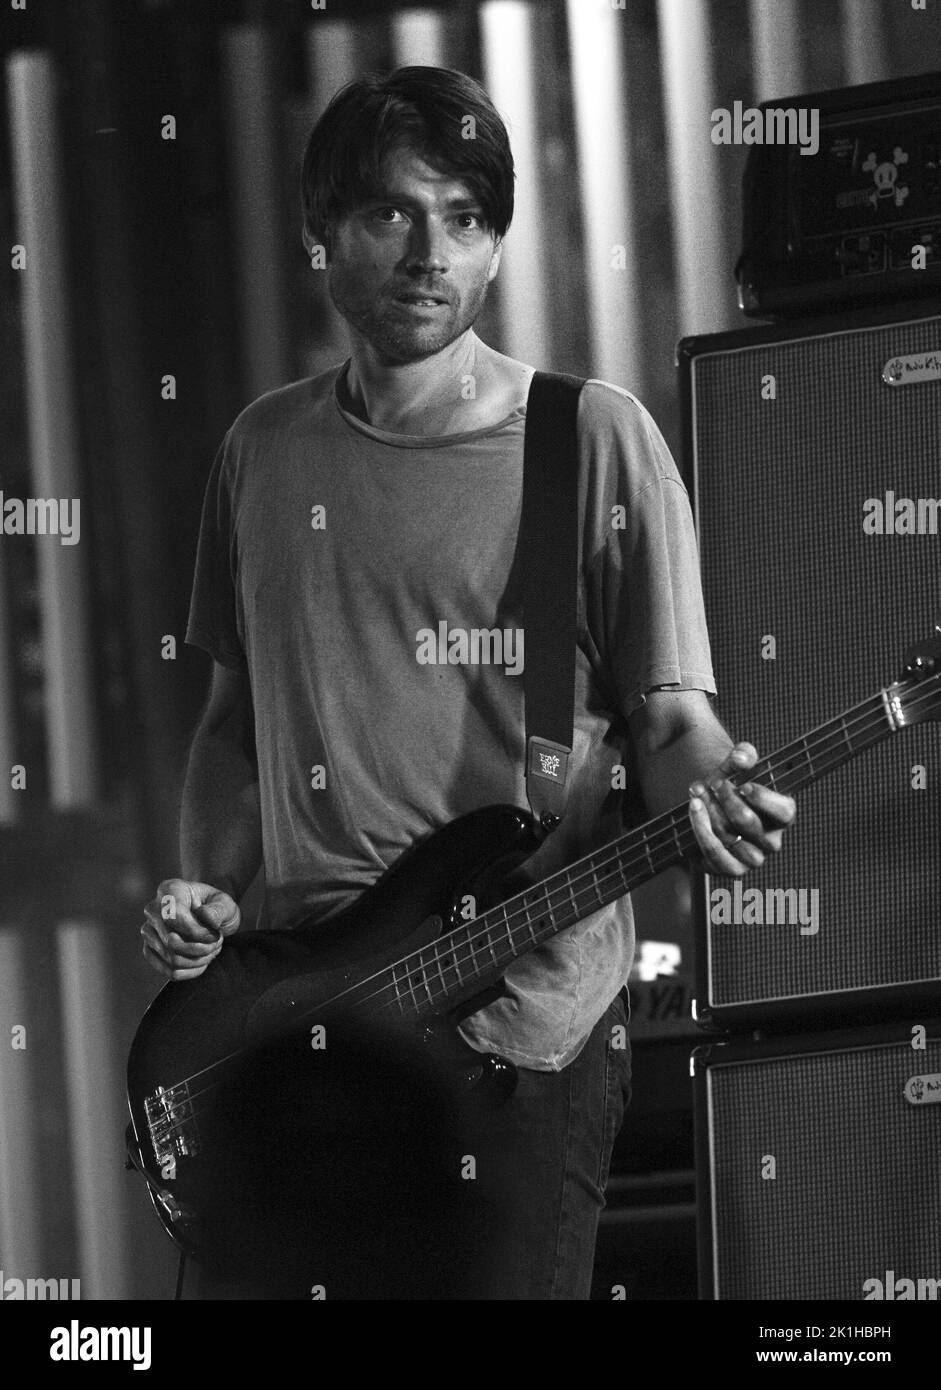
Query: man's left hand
(736, 827)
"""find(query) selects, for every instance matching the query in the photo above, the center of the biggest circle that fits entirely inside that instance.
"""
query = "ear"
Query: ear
(495, 259)
(311, 244)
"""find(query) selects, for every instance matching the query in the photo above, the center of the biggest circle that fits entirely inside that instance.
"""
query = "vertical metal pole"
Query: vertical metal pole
(21, 1216)
(96, 1110)
(53, 429)
(9, 808)
(602, 120)
(777, 55)
(255, 162)
(146, 477)
(704, 260)
(331, 63)
(418, 37)
(507, 31)
(330, 48)
(865, 57)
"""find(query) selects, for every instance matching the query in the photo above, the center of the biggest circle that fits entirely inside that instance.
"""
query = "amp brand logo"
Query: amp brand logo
(924, 1089)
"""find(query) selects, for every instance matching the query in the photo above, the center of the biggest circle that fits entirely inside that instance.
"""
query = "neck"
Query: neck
(422, 397)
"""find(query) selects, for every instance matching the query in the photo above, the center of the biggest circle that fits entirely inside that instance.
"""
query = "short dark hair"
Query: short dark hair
(424, 107)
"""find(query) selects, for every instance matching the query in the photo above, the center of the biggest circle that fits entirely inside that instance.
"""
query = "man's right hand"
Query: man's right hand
(185, 926)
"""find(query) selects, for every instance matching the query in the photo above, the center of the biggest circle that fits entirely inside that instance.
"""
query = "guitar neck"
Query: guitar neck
(470, 958)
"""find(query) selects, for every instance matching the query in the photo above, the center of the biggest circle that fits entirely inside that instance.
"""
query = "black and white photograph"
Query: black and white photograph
(470, 670)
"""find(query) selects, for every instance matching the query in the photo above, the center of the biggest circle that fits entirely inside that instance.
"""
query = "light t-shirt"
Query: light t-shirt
(328, 554)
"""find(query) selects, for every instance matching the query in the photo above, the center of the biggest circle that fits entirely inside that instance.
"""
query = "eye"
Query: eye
(474, 218)
(387, 215)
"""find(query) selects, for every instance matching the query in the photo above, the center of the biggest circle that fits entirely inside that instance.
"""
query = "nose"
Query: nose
(427, 247)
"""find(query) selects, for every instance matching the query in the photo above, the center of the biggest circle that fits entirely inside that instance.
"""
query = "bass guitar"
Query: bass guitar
(403, 954)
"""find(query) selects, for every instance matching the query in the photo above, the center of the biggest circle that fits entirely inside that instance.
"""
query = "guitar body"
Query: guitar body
(267, 991)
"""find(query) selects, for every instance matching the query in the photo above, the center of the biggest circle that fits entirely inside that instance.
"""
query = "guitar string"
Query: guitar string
(165, 1130)
(674, 818)
(874, 716)
(667, 830)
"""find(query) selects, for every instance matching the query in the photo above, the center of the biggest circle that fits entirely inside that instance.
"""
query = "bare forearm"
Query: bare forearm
(220, 821)
(667, 768)
(680, 747)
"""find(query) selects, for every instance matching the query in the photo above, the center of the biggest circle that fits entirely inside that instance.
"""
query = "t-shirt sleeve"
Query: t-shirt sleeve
(644, 612)
(213, 617)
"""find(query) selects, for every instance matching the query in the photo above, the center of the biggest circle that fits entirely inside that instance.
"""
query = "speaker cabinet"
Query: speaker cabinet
(813, 453)
(819, 1166)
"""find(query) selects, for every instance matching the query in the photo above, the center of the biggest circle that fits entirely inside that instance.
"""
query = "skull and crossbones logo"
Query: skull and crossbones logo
(886, 176)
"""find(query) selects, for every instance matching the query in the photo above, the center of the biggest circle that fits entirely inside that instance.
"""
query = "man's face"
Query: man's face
(409, 269)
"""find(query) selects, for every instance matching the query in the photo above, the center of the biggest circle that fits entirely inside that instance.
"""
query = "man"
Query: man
(333, 738)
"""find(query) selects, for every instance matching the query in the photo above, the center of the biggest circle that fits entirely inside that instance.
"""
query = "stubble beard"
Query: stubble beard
(388, 330)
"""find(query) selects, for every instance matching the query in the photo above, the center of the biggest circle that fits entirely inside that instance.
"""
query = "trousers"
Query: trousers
(524, 1224)
(550, 1146)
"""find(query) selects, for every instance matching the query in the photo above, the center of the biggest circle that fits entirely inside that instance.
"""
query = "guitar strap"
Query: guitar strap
(548, 542)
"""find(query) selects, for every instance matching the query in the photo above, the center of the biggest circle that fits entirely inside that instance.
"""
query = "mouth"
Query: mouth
(421, 301)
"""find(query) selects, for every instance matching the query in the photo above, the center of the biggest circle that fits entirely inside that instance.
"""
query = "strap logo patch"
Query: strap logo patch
(549, 764)
(548, 760)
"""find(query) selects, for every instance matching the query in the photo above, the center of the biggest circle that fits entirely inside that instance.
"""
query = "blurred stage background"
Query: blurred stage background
(149, 258)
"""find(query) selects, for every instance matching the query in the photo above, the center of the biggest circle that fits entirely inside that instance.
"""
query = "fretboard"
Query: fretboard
(470, 958)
